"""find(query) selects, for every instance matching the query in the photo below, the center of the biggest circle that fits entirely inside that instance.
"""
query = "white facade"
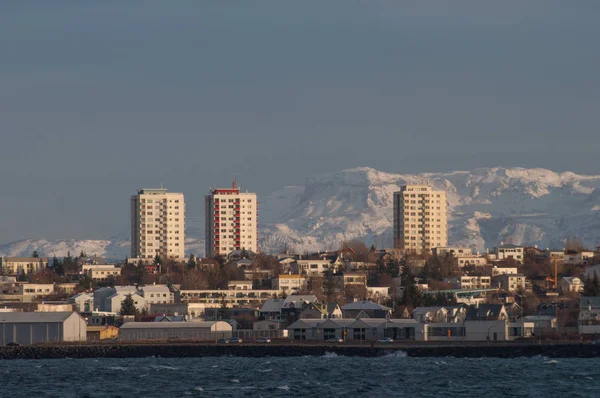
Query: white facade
(100, 272)
(455, 251)
(157, 294)
(472, 260)
(231, 221)
(420, 218)
(157, 224)
(289, 282)
(84, 302)
(36, 289)
(584, 257)
(114, 302)
(510, 252)
(313, 267)
(475, 282)
(41, 327)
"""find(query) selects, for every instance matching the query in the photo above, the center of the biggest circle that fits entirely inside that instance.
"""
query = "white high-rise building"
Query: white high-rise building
(157, 224)
(231, 221)
(420, 218)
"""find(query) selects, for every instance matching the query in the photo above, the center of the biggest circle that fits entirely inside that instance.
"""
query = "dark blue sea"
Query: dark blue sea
(327, 376)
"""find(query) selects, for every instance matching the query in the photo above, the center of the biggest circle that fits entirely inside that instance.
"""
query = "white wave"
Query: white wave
(286, 388)
(397, 354)
(330, 355)
(234, 380)
(199, 389)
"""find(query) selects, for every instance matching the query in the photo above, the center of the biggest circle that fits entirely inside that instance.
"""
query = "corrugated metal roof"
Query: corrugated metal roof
(175, 325)
(34, 317)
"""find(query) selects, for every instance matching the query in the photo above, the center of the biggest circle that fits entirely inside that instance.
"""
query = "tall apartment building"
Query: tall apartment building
(231, 221)
(157, 224)
(420, 218)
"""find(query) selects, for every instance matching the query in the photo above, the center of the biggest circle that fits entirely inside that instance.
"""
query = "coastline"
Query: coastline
(183, 350)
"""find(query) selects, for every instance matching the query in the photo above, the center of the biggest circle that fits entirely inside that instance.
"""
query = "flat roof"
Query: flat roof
(34, 317)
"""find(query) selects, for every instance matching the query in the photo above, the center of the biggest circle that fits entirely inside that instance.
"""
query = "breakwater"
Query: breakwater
(280, 350)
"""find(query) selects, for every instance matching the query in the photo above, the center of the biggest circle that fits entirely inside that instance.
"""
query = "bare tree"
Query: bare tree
(574, 243)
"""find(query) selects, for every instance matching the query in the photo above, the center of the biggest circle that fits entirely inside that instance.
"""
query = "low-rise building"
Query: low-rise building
(36, 289)
(313, 267)
(509, 252)
(157, 294)
(510, 282)
(578, 257)
(83, 302)
(41, 327)
(22, 265)
(366, 309)
(472, 260)
(287, 283)
(570, 284)
(475, 282)
(504, 269)
(240, 285)
(100, 272)
(455, 251)
(200, 330)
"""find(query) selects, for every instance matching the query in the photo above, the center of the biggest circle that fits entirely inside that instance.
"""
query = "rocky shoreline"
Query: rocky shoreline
(200, 350)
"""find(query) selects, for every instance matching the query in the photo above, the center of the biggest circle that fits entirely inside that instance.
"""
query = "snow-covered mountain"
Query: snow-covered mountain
(488, 205)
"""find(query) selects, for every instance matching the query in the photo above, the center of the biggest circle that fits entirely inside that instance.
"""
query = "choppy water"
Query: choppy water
(325, 376)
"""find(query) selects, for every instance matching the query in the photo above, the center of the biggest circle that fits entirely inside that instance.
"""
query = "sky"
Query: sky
(99, 99)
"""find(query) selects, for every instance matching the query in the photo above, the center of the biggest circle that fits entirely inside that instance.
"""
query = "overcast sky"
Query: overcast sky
(98, 100)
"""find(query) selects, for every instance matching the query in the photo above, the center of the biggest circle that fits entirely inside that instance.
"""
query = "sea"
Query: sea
(325, 376)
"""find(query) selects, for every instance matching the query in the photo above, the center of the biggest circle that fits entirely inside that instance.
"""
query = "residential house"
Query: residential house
(475, 282)
(289, 283)
(240, 285)
(366, 309)
(504, 269)
(157, 294)
(454, 251)
(316, 310)
(313, 267)
(472, 260)
(83, 302)
(509, 252)
(510, 282)
(542, 323)
(578, 257)
(570, 284)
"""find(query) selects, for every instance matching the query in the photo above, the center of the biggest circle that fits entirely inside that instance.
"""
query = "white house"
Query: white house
(84, 302)
(570, 284)
(578, 258)
(288, 282)
(313, 267)
(510, 282)
(509, 252)
(114, 302)
(157, 294)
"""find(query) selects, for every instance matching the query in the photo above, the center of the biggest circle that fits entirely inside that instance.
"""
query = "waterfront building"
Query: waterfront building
(41, 327)
(175, 330)
(157, 225)
(231, 221)
(420, 218)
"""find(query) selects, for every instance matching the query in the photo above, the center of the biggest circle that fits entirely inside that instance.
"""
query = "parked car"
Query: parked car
(222, 341)
(335, 340)
(385, 340)
(234, 340)
(263, 340)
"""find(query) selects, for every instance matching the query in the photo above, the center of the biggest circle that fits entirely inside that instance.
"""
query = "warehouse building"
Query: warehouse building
(41, 327)
(174, 330)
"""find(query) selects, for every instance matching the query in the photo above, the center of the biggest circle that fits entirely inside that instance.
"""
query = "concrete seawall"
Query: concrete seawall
(199, 350)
